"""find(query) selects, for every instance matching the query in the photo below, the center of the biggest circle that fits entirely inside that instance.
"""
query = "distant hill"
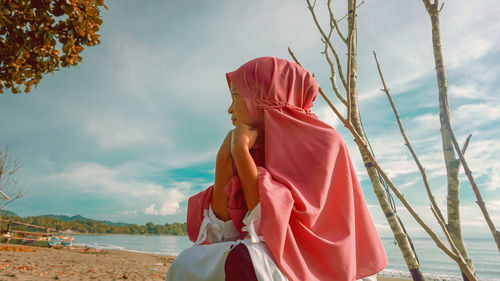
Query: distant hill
(81, 218)
(5, 213)
(66, 218)
(80, 224)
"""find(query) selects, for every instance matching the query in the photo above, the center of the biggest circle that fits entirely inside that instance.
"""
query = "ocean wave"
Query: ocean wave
(100, 246)
(114, 247)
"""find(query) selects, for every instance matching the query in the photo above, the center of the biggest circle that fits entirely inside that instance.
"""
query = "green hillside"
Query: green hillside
(5, 213)
(79, 224)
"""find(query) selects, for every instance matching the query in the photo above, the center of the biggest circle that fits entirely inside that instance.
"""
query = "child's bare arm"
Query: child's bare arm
(223, 173)
(243, 138)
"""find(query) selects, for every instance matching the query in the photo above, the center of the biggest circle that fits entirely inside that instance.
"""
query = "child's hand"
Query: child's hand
(224, 153)
(243, 137)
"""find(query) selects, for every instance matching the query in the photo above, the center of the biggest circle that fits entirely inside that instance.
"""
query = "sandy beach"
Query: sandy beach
(34, 263)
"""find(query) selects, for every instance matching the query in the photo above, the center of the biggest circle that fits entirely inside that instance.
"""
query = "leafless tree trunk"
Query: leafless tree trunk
(8, 185)
(450, 144)
(457, 255)
(395, 223)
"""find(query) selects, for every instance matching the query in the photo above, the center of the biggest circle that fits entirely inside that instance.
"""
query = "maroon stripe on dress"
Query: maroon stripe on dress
(238, 266)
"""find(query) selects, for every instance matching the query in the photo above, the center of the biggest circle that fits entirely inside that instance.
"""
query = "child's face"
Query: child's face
(238, 108)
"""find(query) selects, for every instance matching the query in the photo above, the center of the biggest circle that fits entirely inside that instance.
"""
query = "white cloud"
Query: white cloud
(168, 207)
(469, 47)
(482, 158)
(493, 205)
(464, 91)
(118, 132)
(151, 210)
(326, 114)
(130, 212)
(119, 184)
(476, 114)
(427, 121)
(494, 182)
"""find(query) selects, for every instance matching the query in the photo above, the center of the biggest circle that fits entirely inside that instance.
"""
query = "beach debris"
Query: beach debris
(42, 236)
(84, 249)
(153, 269)
(12, 248)
(21, 268)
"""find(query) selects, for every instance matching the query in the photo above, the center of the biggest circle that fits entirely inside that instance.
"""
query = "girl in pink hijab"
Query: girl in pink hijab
(286, 203)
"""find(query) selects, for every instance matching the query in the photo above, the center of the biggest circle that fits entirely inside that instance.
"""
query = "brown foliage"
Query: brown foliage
(11, 248)
(40, 36)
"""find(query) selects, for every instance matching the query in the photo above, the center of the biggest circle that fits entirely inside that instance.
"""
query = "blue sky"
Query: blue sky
(133, 131)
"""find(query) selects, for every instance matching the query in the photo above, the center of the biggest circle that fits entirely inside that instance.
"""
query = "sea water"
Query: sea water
(434, 263)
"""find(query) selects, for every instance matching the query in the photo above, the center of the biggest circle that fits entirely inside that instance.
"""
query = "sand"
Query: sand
(34, 263)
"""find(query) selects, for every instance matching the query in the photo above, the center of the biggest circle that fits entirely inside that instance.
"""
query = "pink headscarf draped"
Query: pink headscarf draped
(314, 217)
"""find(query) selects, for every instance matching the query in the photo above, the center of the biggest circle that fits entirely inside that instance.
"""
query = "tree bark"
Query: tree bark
(451, 161)
(400, 236)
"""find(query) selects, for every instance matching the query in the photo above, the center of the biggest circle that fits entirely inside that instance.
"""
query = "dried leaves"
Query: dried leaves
(40, 36)
(15, 248)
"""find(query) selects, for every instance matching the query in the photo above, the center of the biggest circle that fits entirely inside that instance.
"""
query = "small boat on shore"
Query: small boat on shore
(45, 238)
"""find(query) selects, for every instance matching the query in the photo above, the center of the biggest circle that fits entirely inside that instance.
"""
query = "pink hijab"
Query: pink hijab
(315, 221)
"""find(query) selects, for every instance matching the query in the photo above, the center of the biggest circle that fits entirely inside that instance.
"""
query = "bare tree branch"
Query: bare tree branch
(333, 77)
(464, 267)
(333, 22)
(408, 144)
(328, 101)
(475, 188)
(466, 143)
(350, 75)
(345, 16)
(8, 185)
(441, 8)
(428, 5)
(325, 38)
(434, 207)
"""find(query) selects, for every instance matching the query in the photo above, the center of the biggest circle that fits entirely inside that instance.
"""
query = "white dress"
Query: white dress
(206, 262)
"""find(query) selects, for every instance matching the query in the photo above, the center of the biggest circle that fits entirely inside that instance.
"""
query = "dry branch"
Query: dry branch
(359, 5)
(334, 23)
(475, 188)
(408, 144)
(8, 185)
(330, 45)
(451, 162)
(350, 65)
(333, 77)
(434, 207)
